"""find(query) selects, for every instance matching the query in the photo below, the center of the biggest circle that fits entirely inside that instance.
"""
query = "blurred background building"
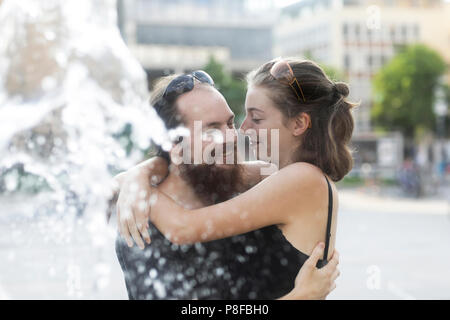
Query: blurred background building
(357, 38)
(360, 36)
(174, 36)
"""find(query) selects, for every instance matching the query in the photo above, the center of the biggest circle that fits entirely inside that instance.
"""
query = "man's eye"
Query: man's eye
(231, 125)
(256, 120)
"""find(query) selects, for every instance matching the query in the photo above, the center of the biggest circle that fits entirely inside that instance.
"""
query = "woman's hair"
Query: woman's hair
(325, 144)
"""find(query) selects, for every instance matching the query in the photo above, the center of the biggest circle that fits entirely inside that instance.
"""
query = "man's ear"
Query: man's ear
(176, 153)
(300, 124)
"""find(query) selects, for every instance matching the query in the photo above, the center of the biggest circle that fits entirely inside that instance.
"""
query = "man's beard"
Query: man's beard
(213, 184)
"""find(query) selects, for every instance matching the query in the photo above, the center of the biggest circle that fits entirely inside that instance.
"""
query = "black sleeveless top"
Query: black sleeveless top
(260, 264)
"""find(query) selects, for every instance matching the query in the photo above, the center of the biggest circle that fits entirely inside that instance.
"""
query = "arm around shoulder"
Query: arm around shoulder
(272, 201)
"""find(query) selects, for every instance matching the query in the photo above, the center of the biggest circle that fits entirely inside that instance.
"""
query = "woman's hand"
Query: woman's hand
(135, 196)
(312, 283)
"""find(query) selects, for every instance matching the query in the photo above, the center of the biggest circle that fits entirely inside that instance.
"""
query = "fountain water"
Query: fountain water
(68, 88)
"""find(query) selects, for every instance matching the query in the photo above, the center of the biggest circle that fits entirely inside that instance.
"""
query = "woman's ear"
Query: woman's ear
(300, 124)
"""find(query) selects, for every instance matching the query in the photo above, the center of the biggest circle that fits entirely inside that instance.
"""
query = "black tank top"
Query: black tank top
(260, 264)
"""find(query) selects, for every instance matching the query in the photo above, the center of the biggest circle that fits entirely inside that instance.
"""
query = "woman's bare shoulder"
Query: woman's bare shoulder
(304, 182)
(303, 173)
(309, 188)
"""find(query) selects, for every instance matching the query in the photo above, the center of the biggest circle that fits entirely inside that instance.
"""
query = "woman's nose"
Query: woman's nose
(244, 125)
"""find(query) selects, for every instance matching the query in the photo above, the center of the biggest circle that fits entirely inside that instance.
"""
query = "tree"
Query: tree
(333, 73)
(404, 91)
(232, 89)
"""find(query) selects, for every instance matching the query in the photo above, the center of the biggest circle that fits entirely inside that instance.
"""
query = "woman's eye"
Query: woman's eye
(256, 120)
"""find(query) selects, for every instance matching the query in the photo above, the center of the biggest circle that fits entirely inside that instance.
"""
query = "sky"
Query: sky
(283, 3)
(264, 4)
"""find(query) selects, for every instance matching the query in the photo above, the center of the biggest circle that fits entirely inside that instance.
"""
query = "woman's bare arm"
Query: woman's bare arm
(132, 215)
(286, 195)
(254, 172)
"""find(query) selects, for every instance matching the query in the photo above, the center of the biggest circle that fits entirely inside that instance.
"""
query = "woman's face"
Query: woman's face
(262, 114)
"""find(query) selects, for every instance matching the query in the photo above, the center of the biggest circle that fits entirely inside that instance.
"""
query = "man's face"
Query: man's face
(212, 182)
(206, 106)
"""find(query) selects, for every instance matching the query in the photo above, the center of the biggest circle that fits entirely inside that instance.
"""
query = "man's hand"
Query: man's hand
(312, 283)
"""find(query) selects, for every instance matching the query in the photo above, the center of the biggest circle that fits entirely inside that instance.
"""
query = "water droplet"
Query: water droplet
(11, 181)
(161, 261)
(49, 35)
(48, 83)
(153, 273)
(160, 289)
(40, 140)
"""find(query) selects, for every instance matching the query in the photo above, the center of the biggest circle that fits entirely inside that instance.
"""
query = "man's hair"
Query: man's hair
(168, 112)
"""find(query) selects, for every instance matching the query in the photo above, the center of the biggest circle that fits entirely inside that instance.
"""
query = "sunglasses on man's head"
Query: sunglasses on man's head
(185, 83)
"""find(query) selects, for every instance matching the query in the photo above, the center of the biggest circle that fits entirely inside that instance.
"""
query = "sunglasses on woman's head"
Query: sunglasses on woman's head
(185, 83)
(282, 72)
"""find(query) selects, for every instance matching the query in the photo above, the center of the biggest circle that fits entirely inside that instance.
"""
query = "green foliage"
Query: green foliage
(124, 138)
(404, 91)
(447, 94)
(232, 89)
(446, 121)
(21, 181)
(350, 181)
(333, 73)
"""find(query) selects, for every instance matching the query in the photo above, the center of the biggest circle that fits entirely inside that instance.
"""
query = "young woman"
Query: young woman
(315, 125)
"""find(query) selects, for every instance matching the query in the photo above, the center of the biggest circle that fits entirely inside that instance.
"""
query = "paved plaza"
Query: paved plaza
(391, 248)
